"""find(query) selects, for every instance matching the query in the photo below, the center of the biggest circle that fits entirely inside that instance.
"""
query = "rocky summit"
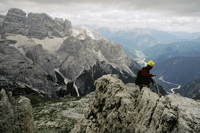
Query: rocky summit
(34, 25)
(16, 114)
(115, 109)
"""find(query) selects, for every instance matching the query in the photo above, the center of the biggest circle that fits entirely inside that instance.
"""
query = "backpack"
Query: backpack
(138, 79)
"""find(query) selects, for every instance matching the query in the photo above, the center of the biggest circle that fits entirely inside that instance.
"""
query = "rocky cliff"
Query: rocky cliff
(85, 81)
(22, 74)
(81, 59)
(47, 61)
(116, 109)
(15, 114)
(40, 52)
(86, 52)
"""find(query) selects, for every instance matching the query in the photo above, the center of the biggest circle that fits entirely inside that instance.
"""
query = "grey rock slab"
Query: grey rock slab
(44, 59)
(15, 67)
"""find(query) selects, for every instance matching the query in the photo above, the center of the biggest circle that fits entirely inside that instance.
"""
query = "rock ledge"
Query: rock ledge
(114, 110)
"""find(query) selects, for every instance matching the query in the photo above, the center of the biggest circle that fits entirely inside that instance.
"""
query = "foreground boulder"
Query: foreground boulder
(16, 114)
(116, 110)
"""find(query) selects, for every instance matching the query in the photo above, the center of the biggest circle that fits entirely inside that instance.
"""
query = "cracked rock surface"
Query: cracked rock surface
(116, 110)
(16, 114)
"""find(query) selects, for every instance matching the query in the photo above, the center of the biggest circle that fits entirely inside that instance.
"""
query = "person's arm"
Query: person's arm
(145, 73)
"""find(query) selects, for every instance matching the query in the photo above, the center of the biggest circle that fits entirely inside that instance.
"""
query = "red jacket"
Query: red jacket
(144, 77)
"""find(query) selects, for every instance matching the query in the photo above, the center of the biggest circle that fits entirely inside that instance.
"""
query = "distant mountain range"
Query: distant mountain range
(186, 35)
(144, 38)
(160, 52)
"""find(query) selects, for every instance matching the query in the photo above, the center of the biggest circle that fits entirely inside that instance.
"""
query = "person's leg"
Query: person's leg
(140, 86)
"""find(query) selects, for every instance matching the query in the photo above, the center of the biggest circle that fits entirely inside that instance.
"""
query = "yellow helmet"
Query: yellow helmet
(150, 63)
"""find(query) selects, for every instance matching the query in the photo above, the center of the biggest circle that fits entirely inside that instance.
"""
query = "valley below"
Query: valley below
(169, 87)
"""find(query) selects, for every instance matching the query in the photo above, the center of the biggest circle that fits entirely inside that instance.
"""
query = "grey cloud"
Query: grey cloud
(158, 14)
(178, 7)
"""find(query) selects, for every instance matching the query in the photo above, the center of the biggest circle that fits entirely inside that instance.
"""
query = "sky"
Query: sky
(165, 15)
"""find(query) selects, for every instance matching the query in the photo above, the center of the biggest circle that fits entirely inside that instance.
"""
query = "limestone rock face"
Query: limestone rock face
(83, 61)
(114, 53)
(42, 25)
(16, 114)
(116, 110)
(75, 55)
(43, 58)
(67, 27)
(85, 81)
(34, 25)
(1, 24)
(15, 22)
(18, 69)
(37, 66)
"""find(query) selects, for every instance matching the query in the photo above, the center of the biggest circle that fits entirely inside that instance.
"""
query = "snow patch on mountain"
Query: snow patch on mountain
(140, 58)
(82, 31)
(76, 88)
(50, 44)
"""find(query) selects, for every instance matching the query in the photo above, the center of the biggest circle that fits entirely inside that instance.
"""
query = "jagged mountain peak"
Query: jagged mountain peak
(34, 25)
(16, 11)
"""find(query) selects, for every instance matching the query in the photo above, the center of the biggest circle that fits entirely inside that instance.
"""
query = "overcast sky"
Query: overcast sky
(167, 15)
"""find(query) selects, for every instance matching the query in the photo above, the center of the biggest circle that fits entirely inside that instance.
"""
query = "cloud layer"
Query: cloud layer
(168, 15)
